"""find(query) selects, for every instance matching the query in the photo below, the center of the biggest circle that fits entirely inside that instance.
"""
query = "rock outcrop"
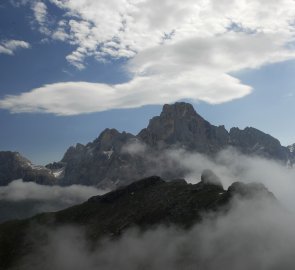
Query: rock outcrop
(14, 166)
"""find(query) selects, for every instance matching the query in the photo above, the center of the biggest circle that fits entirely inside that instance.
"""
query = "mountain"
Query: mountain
(180, 126)
(14, 166)
(113, 160)
(143, 204)
(116, 158)
(291, 149)
(254, 141)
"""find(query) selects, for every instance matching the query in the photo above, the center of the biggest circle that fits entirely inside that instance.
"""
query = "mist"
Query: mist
(256, 233)
(21, 199)
(230, 165)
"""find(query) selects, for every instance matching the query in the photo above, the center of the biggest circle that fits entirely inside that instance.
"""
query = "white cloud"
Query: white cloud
(20, 191)
(40, 11)
(40, 14)
(176, 50)
(74, 98)
(20, 200)
(134, 26)
(10, 46)
(229, 165)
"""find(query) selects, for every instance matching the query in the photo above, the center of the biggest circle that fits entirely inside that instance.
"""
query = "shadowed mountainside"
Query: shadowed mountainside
(144, 204)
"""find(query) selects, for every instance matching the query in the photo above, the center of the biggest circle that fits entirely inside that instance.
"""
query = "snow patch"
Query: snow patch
(36, 167)
(108, 153)
(58, 173)
(257, 147)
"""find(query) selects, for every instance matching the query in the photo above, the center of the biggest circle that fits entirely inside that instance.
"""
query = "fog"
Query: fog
(231, 166)
(228, 164)
(24, 199)
(257, 233)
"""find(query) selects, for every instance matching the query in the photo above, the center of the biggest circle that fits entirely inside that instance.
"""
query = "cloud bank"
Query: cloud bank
(174, 51)
(24, 199)
(18, 191)
(229, 164)
(254, 234)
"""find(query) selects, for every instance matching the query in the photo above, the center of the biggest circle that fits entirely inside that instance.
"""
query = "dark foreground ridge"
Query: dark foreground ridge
(143, 204)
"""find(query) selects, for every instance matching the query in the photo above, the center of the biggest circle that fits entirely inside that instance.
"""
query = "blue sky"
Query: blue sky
(69, 69)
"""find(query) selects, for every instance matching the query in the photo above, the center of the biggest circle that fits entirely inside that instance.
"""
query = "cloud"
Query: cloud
(40, 12)
(192, 53)
(134, 148)
(123, 28)
(18, 191)
(72, 98)
(232, 166)
(254, 234)
(135, 26)
(10, 46)
(24, 199)
(229, 165)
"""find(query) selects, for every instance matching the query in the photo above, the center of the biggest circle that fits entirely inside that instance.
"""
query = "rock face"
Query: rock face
(254, 141)
(112, 159)
(100, 162)
(105, 163)
(291, 149)
(13, 166)
(144, 204)
(181, 126)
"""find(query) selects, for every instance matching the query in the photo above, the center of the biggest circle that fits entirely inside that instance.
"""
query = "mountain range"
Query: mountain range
(119, 158)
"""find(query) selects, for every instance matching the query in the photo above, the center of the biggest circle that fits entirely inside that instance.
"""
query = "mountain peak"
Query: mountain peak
(179, 124)
(178, 110)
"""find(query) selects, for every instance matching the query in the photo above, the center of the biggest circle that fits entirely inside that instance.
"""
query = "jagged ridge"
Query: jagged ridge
(105, 164)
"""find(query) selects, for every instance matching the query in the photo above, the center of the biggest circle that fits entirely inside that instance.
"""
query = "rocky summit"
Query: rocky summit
(179, 125)
(115, 158)
(143, 204)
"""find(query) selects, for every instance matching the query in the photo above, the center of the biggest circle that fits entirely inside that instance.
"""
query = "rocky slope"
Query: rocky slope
(143, 204)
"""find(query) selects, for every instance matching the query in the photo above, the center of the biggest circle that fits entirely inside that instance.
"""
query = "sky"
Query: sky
(71, 68)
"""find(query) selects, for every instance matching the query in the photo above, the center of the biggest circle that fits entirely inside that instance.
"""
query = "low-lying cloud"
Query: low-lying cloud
(23, 199)
(254, 234)
(229, 164)
(19, 190)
